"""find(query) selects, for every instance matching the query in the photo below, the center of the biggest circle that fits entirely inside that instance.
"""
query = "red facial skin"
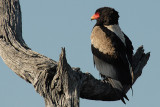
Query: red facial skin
(95, 16)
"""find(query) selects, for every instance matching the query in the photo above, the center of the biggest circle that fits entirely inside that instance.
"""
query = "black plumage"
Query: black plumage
(112, 49)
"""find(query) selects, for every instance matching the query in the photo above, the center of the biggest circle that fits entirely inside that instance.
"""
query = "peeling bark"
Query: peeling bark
(60, 84)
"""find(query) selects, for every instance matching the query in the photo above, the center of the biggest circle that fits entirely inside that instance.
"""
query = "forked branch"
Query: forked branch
(59, 83)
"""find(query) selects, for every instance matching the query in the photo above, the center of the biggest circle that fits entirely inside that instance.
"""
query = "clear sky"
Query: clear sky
(49, 25)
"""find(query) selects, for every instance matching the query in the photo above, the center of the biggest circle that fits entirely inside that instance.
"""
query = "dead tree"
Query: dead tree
(60, 84)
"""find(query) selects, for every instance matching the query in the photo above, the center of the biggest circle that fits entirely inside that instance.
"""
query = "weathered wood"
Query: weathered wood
(13, 50)
(57, 82)
(98, 90)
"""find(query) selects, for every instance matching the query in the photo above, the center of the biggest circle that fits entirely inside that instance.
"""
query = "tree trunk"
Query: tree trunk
(58, 83)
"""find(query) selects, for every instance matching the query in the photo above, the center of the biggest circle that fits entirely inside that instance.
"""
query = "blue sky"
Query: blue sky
(49, 25)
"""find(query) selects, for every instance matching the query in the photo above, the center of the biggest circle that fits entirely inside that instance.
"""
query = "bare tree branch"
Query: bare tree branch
(13, 50)
(58, 83)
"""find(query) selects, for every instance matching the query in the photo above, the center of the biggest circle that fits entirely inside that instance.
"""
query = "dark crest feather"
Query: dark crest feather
(108, 16)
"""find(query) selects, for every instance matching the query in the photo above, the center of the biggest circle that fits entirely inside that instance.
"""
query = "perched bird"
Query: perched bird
(112, 50)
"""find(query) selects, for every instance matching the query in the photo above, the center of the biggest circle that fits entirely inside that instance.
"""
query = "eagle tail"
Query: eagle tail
(118, 86)
(132, 76)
